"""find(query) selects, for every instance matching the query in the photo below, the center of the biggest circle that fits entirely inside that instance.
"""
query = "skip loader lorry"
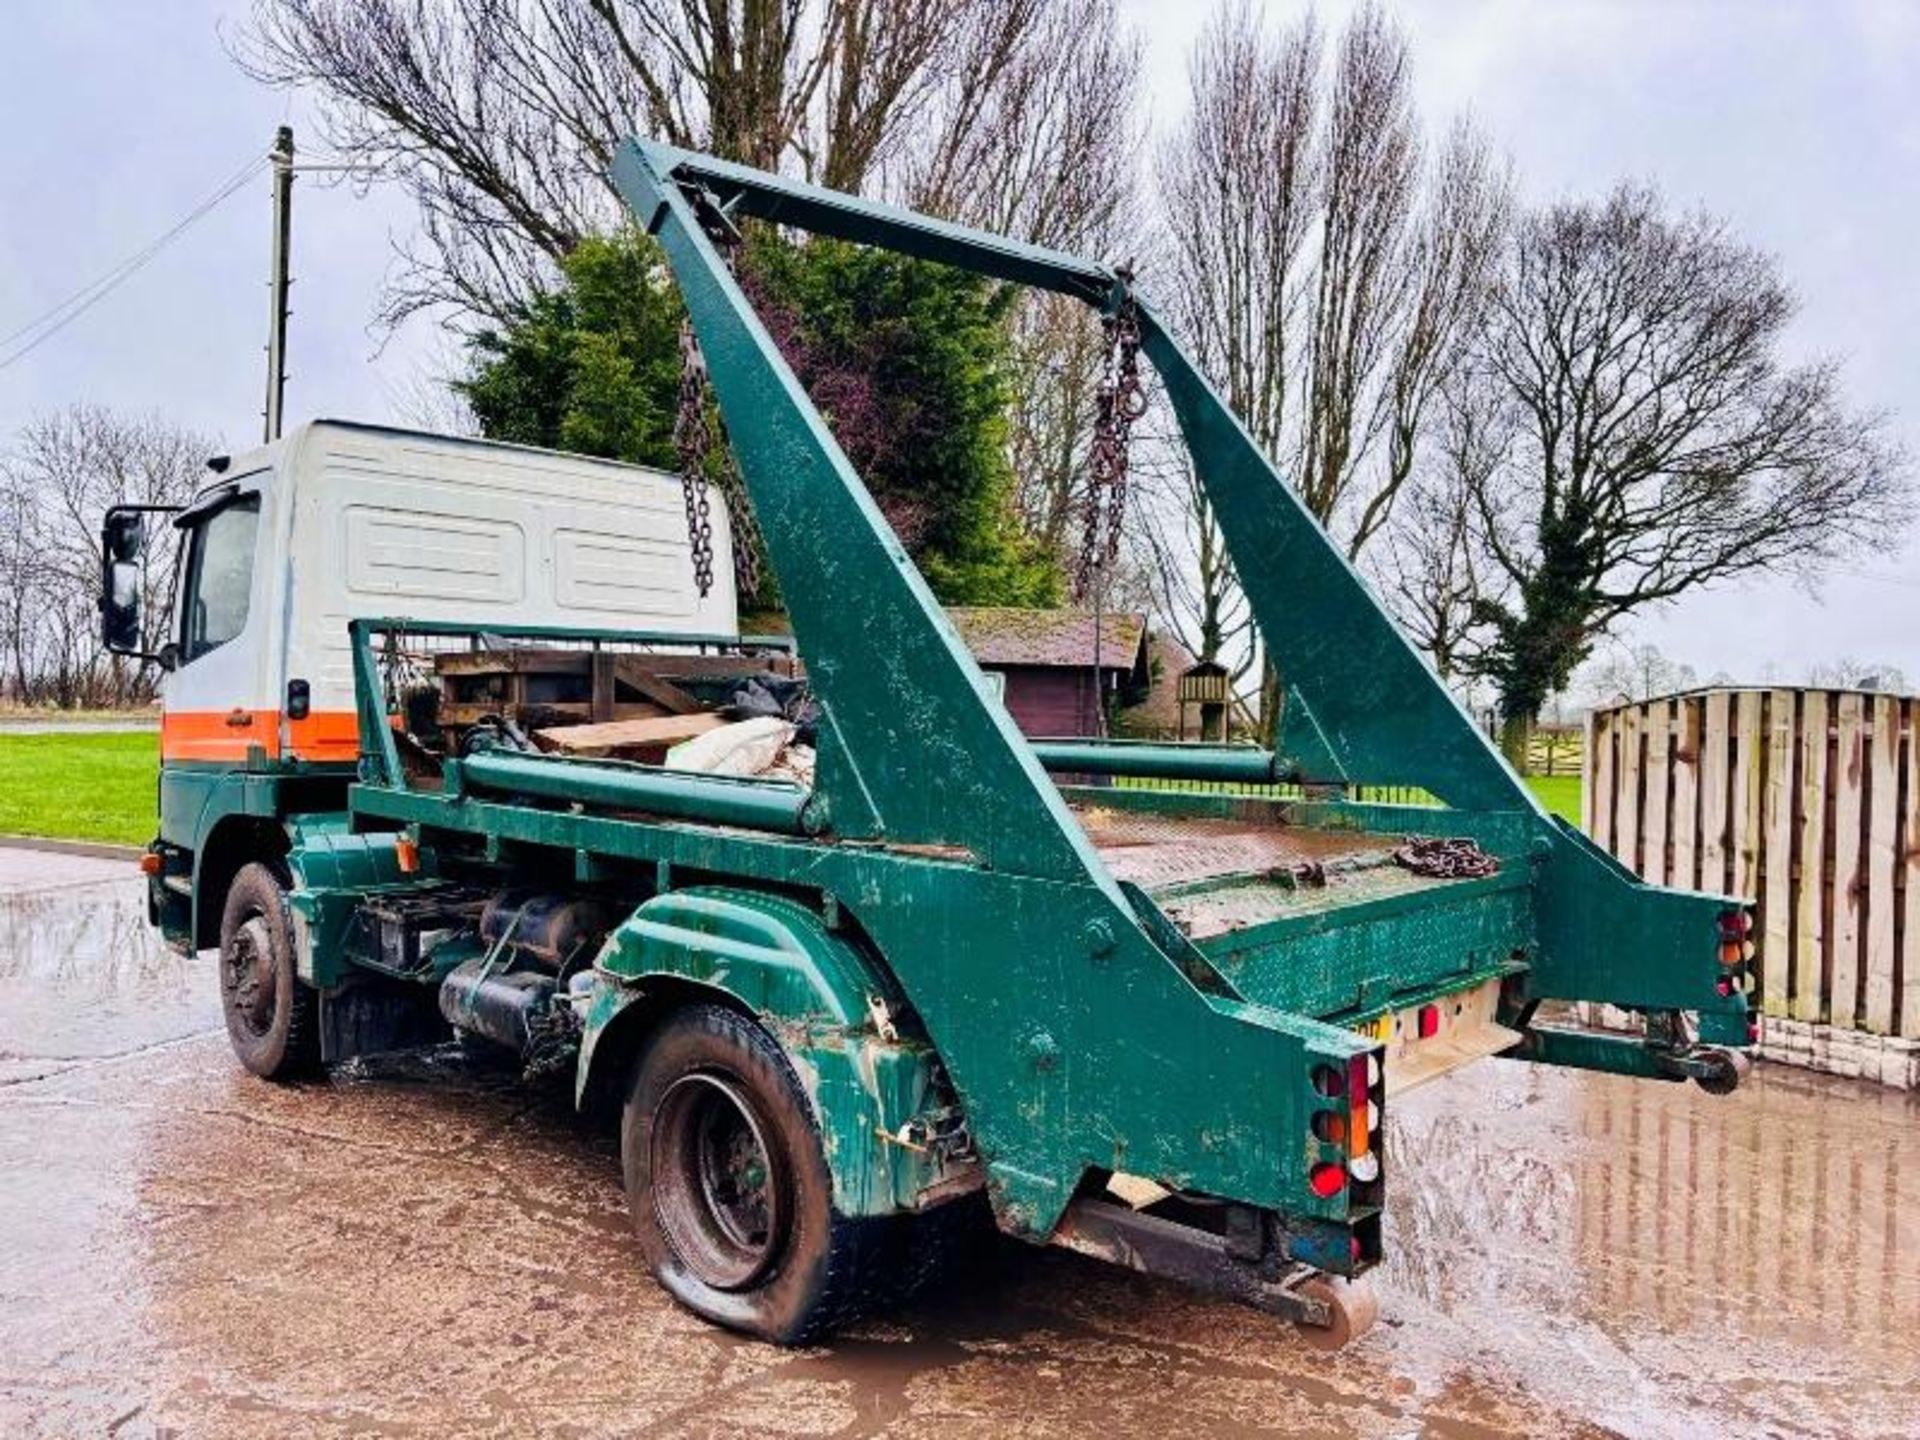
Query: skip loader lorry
(1150, 1002)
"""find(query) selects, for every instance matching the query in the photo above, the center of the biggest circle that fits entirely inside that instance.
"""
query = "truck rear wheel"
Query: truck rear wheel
(729, 1186)
(272, 1015)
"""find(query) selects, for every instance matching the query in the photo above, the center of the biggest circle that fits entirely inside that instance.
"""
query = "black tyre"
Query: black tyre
(729, 1186)
(273, 1017)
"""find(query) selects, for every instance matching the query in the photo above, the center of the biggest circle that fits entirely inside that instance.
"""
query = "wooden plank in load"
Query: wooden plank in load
(1713, 793)
(1776, 857)
(1684, 824)
(1654, 785)
(1810, 934)
(514, 660)
(1848, 780)
(1882, 856)
(664, 693)
(457, 714)
(623, 736)
(707, 666)
(603, 670)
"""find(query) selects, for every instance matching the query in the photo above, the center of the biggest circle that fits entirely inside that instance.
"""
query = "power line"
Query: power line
(140, 256)
(43, 327)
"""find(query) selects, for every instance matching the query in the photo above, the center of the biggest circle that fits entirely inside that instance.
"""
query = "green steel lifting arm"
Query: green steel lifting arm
(1361, 705)
(912, 747)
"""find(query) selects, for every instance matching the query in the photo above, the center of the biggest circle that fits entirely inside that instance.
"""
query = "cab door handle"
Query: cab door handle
(240, 719)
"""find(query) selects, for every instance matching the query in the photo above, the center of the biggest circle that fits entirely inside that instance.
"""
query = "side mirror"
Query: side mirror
(124, 535)
(123, 544)
(120, 605)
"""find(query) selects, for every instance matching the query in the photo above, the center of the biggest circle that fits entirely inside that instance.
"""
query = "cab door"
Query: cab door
(219, 709)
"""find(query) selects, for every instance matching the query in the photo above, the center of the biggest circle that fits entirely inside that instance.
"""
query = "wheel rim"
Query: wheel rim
(719, 1189)
(253, 980)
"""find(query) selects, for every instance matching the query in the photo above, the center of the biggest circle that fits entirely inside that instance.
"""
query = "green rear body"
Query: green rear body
(971, 989)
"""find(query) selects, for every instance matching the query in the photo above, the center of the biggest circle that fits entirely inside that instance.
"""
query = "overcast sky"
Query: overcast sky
(1798, 122)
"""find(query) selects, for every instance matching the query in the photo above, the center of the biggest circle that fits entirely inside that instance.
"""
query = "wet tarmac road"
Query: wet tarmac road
(417, 1246)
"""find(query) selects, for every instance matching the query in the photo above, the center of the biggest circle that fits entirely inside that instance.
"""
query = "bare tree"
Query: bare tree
(1661, 443)
(62, 472)
(499, 116)
(1626, 675)
(1236, 187)
(1035, 132)
(1431, 573)
(1057, 354)
(1370, 176)
(1324, 270)
(1191, 575)
(1846, 672)
(23, 585)
(1452, 262)
(1039, 138)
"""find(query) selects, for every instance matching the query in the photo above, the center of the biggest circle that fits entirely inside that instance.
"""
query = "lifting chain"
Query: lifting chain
(1454, 859)
(1120, 400)
(693, 441)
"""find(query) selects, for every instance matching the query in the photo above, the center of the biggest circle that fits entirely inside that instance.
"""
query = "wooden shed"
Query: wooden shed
(1807, 802)
(1048, 660)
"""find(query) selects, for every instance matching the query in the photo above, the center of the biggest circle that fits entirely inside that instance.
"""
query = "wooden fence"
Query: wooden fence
(1806, 801)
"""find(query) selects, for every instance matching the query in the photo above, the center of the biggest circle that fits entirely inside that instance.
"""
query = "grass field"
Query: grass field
(1559, 793)
(80, 786)
(101, 787)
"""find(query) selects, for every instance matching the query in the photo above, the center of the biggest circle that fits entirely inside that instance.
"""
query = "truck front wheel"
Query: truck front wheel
(272, 1015)
(729, 1185)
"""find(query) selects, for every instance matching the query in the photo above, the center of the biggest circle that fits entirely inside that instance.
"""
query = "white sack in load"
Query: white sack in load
(795, 764)
(746, 747)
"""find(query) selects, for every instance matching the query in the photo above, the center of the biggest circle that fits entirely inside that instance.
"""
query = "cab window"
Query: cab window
(219, 577)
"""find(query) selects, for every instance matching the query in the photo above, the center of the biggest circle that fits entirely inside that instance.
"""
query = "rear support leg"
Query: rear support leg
(1329, 1309)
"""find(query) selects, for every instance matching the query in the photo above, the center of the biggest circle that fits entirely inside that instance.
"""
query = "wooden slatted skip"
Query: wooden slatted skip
(1805, 802)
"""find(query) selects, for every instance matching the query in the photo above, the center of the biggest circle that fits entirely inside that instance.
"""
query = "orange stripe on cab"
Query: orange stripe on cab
(325, 735)
(230, 736)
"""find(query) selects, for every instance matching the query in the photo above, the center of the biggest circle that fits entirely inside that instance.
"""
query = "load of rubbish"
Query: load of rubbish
(774, 721)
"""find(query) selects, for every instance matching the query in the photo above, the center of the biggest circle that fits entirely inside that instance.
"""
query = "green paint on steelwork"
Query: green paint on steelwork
(815, 992)
(992, 962)
(723, 799)
(333, 871)
(1080, 1029)
(1239, 764)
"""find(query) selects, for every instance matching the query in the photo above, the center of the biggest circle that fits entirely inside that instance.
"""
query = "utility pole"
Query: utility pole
(277, 281)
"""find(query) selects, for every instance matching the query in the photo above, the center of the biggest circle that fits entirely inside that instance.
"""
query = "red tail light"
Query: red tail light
(1327, 1181)
(1429, 1021)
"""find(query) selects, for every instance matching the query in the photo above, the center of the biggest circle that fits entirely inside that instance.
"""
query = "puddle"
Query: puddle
(419, 1244)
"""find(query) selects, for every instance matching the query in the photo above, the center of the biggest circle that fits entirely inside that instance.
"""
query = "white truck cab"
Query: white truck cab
(285, 545)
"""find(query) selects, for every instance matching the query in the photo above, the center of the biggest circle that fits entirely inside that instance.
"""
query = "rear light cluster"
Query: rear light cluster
(1736, 952)
(1348, 1119)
